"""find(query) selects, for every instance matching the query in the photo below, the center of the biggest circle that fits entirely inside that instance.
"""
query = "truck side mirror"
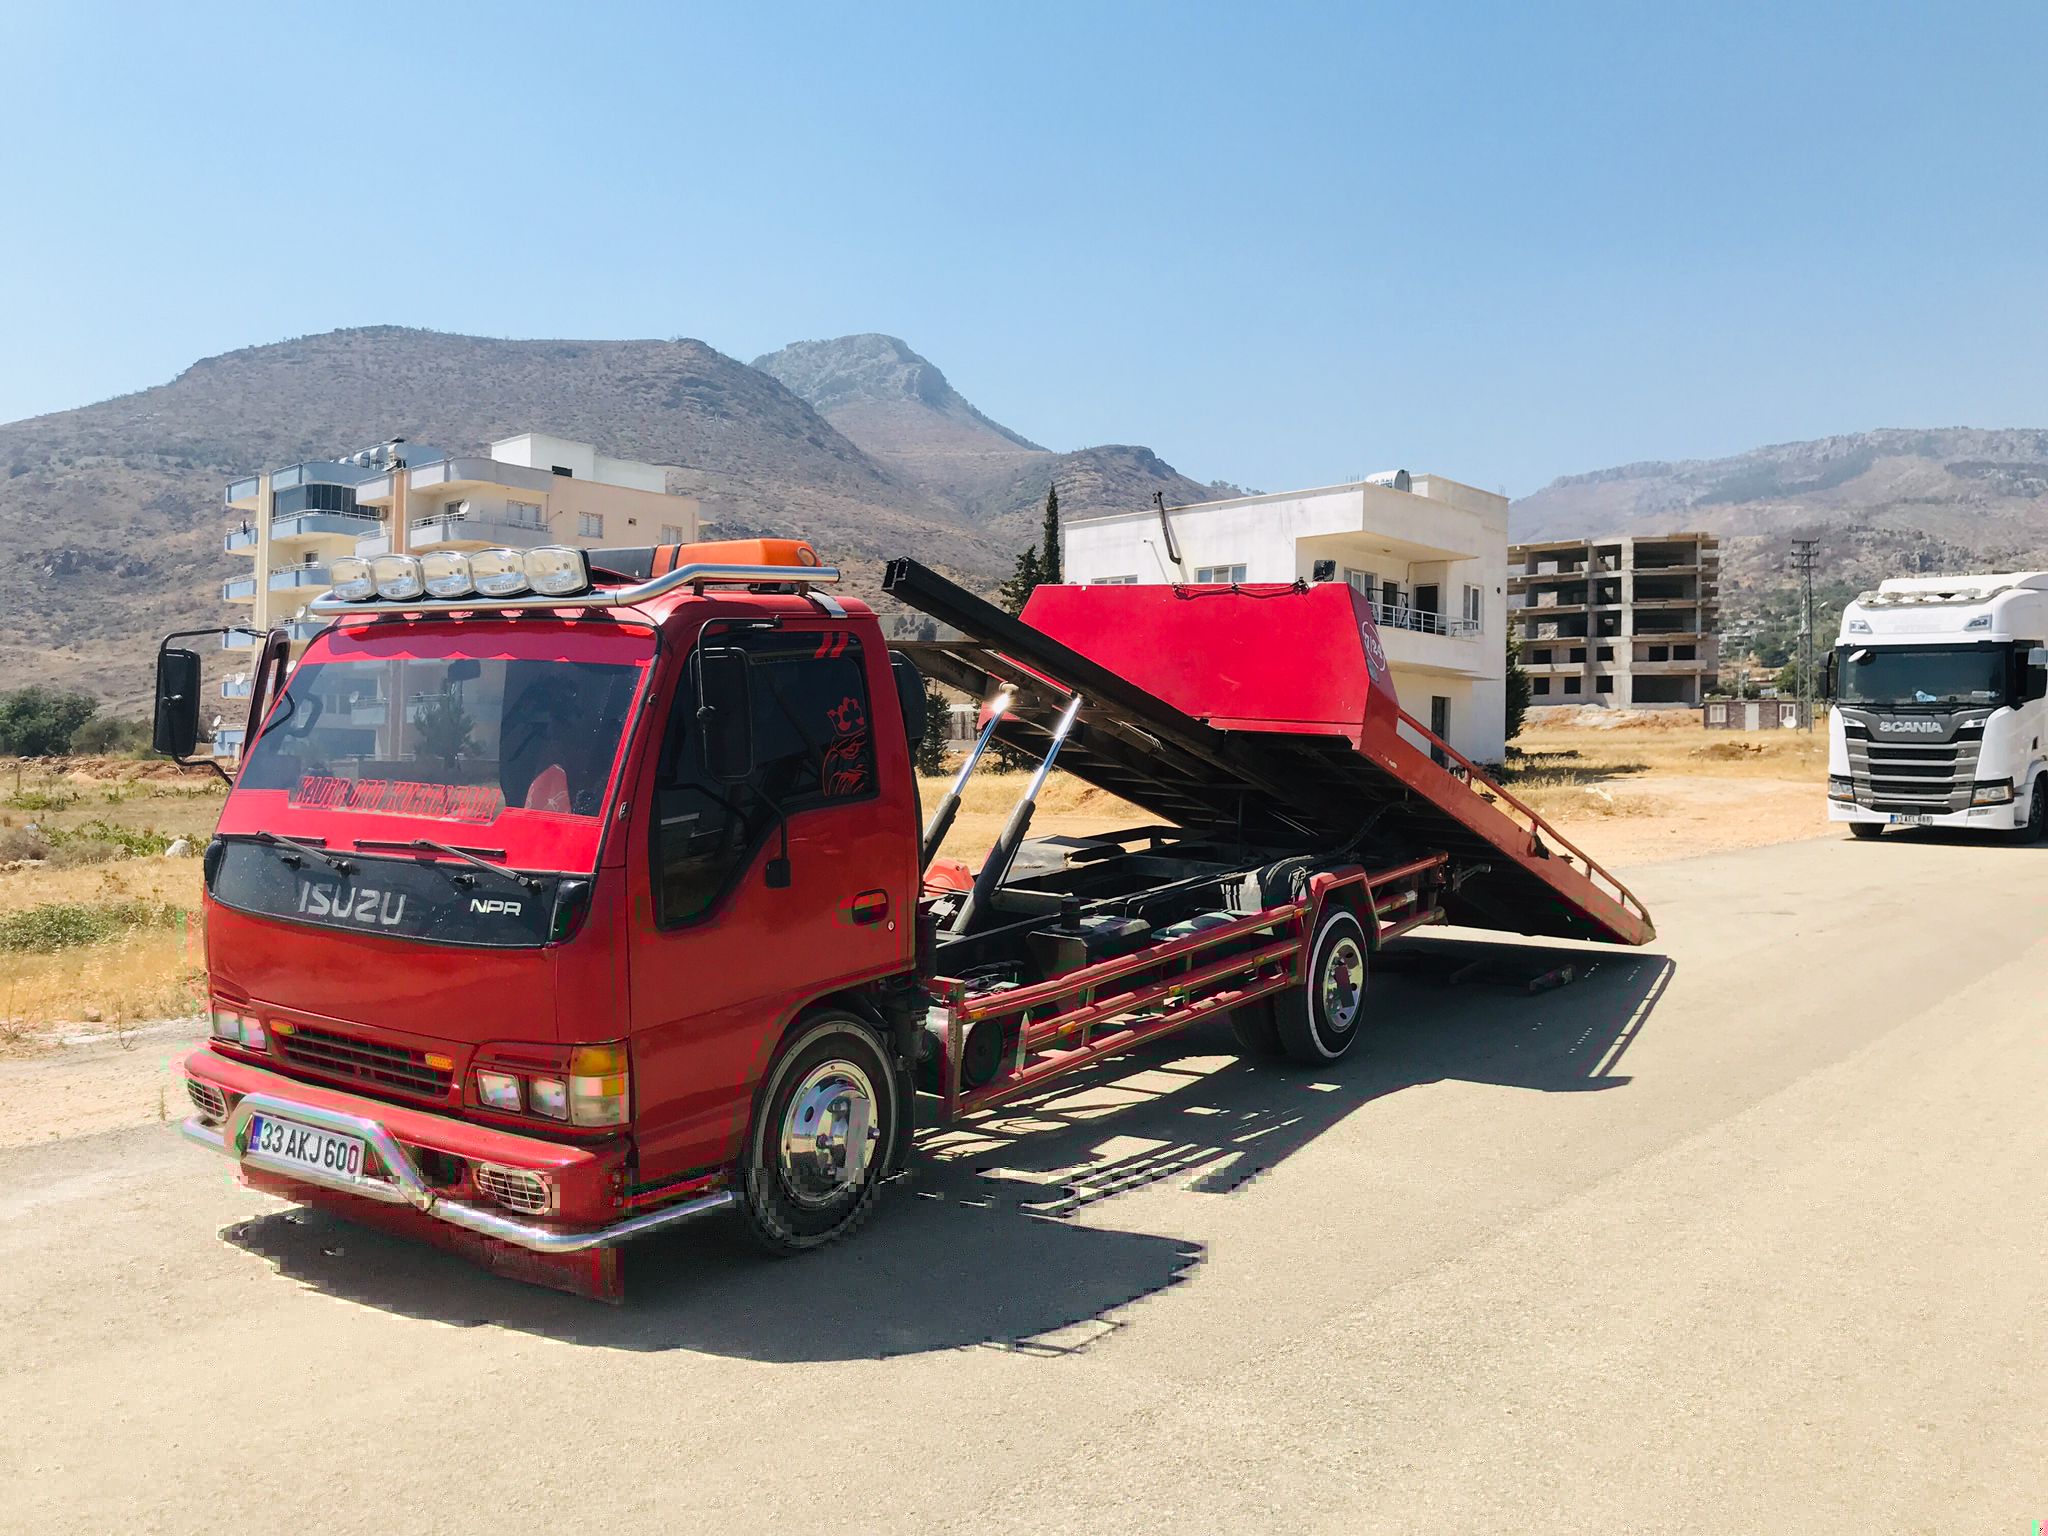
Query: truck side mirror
(176, 732)
(725, 715)
(1827, 688)
(2037, 673)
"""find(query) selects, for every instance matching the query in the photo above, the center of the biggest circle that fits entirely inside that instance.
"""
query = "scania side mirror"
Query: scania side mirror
(725, 716)
(176, 732)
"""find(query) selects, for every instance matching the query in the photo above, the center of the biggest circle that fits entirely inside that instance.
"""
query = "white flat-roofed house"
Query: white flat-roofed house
(1428, 552)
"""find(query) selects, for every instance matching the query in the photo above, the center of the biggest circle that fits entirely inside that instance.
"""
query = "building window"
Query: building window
(1604, 653)
(1539, 658)
(523, 514)
(1571, 685)
(1539, 686)
(1474, 598)
(671, 534)
(590, 524)
(1684, 653)
(1578, 653)
(1112, 581)
(1219, 575)
(1660, 653)
(1603, 685)
(1362, 581)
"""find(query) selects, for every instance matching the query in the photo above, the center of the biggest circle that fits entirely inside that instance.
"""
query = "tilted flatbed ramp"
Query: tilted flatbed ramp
(1267, 711)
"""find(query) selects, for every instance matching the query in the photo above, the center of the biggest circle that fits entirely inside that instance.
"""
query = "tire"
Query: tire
(794, 1192)
(1318, 1021)
(1866, 830)
(2036, 825)
(1257, 1031)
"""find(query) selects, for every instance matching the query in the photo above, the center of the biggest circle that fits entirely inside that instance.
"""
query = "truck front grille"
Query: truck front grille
(1911, 778)
(334, 1054)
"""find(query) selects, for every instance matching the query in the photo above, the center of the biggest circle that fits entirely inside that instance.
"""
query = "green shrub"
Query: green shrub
(142, 842)
(70, 924)
(40, 722)
(42, 799)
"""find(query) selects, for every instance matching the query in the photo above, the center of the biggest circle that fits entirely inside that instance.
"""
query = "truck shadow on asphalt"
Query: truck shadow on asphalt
(992, 1239)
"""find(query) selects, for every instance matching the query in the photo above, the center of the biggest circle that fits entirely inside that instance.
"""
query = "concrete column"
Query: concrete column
(259, 612)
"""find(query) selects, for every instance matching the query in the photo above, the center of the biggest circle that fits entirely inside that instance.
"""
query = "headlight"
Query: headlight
(555, 570)
(399, 578)
(243, 1029)
(498, 572)
(1997, 792)
(1840, 788)
(352, 580)
(498, 1090)
(446, 574)
(548, 1096)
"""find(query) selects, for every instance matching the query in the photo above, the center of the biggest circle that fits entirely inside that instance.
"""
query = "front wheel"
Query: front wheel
(2035, 827)
(822, 1136)
(1866, 829)
(1318, 1021)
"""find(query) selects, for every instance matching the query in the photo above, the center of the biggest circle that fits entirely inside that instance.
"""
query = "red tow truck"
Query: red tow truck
(564, 896)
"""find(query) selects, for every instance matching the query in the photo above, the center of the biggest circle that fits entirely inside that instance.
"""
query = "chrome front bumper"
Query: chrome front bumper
(407, 1186)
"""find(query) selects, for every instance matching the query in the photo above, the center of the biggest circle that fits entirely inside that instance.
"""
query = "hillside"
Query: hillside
(901, 411)
(110, 515)
(1884, 503)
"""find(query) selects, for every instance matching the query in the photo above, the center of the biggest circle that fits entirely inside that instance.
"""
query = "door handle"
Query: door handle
(868, 908)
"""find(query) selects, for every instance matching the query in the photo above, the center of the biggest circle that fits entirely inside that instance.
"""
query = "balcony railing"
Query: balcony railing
(238, 589)
(235, 687)
(227, 741)
(1401, 616)
(288, 576)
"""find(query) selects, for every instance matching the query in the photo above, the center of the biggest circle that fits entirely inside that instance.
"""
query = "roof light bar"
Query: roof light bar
(502, 579)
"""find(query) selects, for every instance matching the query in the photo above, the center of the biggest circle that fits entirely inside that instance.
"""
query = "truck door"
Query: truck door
(730, 935)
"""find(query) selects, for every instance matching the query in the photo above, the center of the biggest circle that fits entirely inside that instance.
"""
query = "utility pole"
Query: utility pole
(1805, 553)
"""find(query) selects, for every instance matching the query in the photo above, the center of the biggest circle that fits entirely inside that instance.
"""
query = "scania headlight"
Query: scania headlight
(399, 578)
(1840, 787)
(352, 580)
(498, 572)
(1992, 792)
(446, 574)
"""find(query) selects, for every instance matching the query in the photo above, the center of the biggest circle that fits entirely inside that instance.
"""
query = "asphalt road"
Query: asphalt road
(1741, 1233)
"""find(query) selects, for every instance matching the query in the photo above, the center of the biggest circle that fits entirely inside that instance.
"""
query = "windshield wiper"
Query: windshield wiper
(531, 882)
(339, 864)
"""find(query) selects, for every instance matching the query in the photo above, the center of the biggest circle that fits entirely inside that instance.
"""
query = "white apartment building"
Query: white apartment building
(524, 490)
(1429, 553)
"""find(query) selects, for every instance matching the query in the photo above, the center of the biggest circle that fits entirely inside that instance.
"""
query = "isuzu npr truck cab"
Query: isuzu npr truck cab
(1940, 694)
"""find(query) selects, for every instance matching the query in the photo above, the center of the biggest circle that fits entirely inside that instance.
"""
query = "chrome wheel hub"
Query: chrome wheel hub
(1342, 984)
(828, 1133)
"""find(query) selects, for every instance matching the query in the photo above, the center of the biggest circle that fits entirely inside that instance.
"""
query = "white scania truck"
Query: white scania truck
(1940, 693)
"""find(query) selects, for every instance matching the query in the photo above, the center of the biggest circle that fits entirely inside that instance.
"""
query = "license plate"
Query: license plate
(305, 1146)
(1912, 821)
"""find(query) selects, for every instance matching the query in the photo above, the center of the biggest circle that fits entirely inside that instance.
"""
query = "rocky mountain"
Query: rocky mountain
(899, 409)
(1884, 503)
(111, 520)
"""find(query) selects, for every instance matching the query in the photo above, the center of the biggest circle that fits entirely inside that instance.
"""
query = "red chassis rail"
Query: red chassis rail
(1071, 1020)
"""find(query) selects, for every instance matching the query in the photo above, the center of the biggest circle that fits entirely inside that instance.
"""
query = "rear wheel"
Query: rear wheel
(822, 1136)
(1318, 1021)
(1866, 829)
(1257, 1031)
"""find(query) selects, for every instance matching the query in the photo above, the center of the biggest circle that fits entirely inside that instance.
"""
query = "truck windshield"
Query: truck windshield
(1922, 674)
(392, 734)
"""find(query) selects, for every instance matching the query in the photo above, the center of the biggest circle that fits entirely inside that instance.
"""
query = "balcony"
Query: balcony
(227, 741)
(306, 528)
(1401, 616)
(236, 686)
(239, 589)
(469, 531)
(289, 577)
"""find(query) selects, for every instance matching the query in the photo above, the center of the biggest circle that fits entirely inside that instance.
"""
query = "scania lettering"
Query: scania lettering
(592, 894)
(1940, 694)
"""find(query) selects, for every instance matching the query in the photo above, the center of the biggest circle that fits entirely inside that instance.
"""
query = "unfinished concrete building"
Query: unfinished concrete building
(1627, 623)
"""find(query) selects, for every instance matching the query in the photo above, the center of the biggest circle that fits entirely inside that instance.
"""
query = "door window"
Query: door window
(807, 700)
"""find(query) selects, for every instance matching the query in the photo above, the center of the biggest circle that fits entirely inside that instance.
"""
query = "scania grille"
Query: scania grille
(1910, 777)
(365, 1061)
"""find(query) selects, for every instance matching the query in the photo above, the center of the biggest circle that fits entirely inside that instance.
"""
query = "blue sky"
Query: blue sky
(1281, 244)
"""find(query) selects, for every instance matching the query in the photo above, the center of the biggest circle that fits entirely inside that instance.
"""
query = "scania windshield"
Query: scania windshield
(485, 737)
(1906, 676)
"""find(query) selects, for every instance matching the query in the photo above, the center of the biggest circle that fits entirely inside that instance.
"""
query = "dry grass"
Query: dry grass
(98, 813)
